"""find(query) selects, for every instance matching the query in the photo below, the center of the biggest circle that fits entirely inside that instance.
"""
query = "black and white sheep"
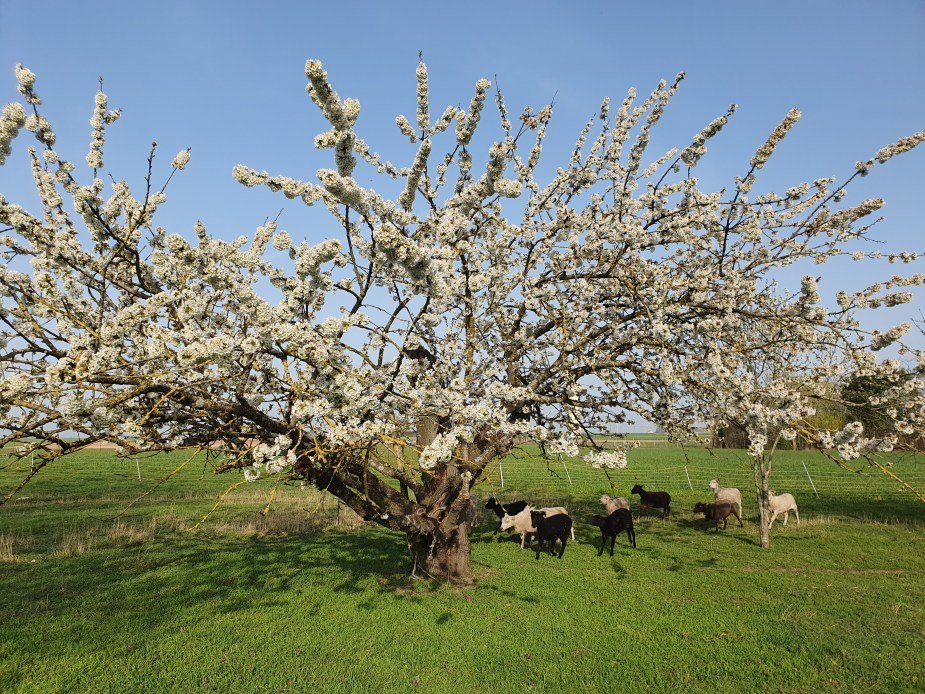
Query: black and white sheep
(511, 509)
(557, 527)
(613, 525)
(523, 524)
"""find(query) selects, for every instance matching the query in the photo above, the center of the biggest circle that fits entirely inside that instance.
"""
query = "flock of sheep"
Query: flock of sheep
(554, 523)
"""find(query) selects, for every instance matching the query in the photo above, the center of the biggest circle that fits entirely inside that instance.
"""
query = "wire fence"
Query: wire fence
(798, 476)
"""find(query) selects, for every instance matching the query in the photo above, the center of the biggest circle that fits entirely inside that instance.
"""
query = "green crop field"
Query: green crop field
(106, 590)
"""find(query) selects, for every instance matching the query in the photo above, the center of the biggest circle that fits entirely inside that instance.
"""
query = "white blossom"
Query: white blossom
(181, 160)
(607, 459)
(12, 119)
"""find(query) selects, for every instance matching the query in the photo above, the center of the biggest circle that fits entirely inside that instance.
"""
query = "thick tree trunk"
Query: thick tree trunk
(443, 558)
(445, 554)
(437, 521)
(761, 474)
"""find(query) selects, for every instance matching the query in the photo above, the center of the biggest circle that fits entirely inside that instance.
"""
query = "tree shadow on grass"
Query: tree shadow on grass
(618, 570)
(178, 579)
(863, 507)
(511, 594)
(486, 533)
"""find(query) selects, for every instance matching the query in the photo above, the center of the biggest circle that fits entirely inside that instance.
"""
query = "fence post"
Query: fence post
(138, 468)
(566, 469)
(688, 478)
(501, 474)
(810, 478)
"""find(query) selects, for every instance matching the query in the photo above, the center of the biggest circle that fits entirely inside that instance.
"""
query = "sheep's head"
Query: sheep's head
(606, 499)
(597, 520)
(637, 488)
(714, 485)
(507, 522)
(536, 517)
(700, 507)
(492, 503)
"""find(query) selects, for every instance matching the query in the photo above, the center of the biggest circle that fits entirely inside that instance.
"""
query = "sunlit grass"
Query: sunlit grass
(102, 595)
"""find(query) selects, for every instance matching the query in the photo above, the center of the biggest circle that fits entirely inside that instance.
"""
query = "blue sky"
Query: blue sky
(226, 78)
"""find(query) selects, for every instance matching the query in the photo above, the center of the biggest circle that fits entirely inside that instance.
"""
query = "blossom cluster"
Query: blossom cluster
(12, 119)
(615, 460)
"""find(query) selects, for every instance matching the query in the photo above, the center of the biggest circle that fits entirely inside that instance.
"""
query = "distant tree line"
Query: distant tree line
(852, 401)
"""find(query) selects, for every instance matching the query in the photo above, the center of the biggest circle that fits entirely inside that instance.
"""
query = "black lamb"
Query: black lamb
(648, 500)
(718, 511)
(613, 525)
(557, 527)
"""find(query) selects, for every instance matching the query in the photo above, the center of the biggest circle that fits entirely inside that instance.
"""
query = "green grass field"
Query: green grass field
(99, 595)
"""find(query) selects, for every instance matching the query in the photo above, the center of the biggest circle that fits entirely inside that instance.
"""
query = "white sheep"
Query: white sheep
(523, 524)
(782, 503)
(730, 495)
(612, 503)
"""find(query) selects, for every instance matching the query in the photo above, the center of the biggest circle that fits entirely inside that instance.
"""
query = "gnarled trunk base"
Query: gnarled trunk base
(444, 559)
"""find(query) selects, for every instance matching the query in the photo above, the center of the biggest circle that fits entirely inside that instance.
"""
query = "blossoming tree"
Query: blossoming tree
(480, 308)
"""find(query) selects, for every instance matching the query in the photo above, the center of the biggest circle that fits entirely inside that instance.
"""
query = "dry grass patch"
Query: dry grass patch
(76, 542)
(6, 549)
(822, 520)
(286, 522)
(121, 533)
(125, 533)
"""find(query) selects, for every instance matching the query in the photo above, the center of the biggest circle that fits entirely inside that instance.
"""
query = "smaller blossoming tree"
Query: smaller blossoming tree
(445, 324)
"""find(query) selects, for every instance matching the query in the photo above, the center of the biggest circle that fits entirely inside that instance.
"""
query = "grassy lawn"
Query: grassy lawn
(102, 596)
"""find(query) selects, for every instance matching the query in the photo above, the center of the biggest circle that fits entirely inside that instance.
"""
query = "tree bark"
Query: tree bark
(426, 431)
(761, 474)
(443, 558)
(445, 554)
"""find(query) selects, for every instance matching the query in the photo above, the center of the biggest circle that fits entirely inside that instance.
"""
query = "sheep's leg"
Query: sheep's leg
(773, 516)
(573, 533)
(738, 518)
(797, 514)
(786, 516)
(613, 541)
(740, 510)
(603, 544)
(562, 551)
